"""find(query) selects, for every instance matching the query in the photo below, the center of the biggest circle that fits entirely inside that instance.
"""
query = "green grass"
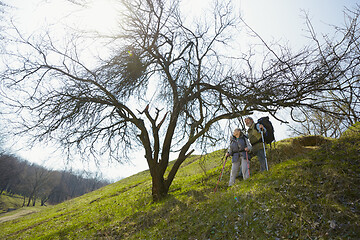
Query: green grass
(311, 192)
(8, 201)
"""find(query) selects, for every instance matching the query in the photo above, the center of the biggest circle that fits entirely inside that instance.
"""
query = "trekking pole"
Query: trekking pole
(247, 159)
(262, 136)
(220, 174)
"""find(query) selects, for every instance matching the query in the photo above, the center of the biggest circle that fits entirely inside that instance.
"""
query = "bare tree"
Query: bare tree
(339, 57)
(166, 86)
(35, 179)
(9, 170)
(315, 122)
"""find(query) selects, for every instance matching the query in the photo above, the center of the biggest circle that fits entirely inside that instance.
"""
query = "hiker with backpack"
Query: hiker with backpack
(260, 133)
(239, 150)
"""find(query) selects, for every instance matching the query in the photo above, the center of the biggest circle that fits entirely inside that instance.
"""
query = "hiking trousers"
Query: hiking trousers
(261, 156)
(243, 163)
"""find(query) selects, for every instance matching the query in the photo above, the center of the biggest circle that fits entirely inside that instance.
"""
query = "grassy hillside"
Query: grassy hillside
(8, 202)
(310, 192)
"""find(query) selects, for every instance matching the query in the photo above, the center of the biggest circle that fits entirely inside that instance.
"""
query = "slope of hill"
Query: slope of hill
(310, 192)
(9, 202)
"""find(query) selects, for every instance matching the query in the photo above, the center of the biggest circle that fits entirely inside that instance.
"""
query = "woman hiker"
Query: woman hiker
(239, 149)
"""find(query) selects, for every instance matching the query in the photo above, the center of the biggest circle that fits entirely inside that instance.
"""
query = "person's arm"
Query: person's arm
(229, 151)
(248, 145)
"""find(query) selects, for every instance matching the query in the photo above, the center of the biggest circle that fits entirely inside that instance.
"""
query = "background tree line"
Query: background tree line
(38, 184)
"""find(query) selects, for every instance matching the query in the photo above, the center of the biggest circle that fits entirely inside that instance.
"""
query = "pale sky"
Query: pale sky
(274, 20)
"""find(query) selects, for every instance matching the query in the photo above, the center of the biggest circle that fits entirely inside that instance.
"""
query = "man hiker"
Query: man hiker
(238, 149)
(254, 135)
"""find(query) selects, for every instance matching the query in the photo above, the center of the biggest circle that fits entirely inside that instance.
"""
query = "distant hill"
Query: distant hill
(311, 191)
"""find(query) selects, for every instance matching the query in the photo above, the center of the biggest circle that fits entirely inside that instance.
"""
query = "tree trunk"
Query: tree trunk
(159, 187)
(44, 200)
(28, 204)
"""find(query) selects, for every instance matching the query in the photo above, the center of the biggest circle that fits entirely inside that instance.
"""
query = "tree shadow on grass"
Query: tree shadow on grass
(156, 214)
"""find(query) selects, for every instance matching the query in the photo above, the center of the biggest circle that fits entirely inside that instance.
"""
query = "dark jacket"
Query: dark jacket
(237, 147)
